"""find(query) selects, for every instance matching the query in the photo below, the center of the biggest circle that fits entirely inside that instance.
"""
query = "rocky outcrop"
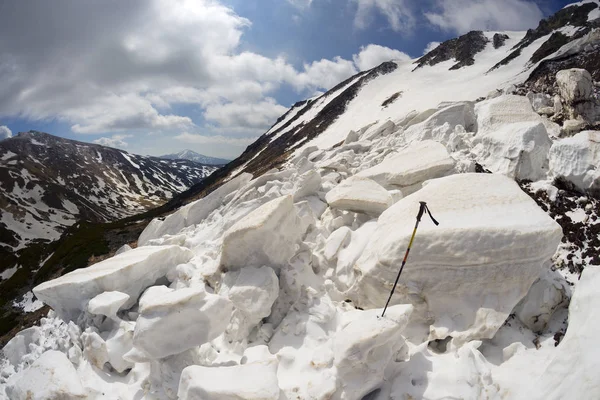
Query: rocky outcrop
(462, 49)
(499, 40)
(576, 90)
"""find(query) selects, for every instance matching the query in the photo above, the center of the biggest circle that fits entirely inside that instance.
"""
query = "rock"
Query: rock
(518, 150)
(107, 303)
(266, 236)
(545, 296)
(547, 111)
(482, 259)
(363, 349)
(539, 101)
(499, 40)
(573, 126)
(358, 194)
(493, 94)
(413, 165)
(50, 377)
(129, 273)
(577, 160)
(176, 320)
(558, 107)
(571, 372)
(252, 381)
(575, 85)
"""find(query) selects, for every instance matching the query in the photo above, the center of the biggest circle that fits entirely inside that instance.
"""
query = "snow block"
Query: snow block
(573, 372)
(129, 273)
(482, 259)
(363, 349)
(266, 236)
(176, 320)
(254, 381)
(359, 194)
(508, 109)
(577, 160)
(107, 304)
(450, 116)
(518, 150)
(50, 377)
(414, 164)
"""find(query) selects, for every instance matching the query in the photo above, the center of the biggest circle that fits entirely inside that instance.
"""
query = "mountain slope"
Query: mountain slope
(195, 157)
(276, 267)
(49, 182)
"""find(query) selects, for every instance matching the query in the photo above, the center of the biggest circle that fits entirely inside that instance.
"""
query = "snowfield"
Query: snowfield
(272, 287)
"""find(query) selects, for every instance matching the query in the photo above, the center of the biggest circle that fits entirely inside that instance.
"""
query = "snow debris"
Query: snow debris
(107, 304)
(130, 273)
(492, 278)
(359, 194)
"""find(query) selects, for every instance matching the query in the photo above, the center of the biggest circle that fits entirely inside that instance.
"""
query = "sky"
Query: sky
(159, 76)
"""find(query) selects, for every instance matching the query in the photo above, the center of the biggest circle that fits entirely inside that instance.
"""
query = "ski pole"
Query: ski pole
(422, 209)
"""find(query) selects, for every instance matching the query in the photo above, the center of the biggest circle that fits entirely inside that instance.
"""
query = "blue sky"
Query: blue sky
(159, 76)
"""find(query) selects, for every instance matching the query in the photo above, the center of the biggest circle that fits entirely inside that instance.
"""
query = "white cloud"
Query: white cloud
(258, 115)
(462, 16)
(430, 46)
(5, 133)
(215, 139)
(398, 13)
(300, 3)
(113, 141)
(325, 73)
(373, 55)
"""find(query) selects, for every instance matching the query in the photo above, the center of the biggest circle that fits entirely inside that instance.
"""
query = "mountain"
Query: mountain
(49, 183)
(270, 277)
(195, 157)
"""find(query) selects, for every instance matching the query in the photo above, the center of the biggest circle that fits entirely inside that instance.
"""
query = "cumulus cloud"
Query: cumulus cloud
(241, 116)
(373, 55)
(113, 141)
(430, 46)
(5, 133)
(197, 138)
(397, 12)
(462, 16)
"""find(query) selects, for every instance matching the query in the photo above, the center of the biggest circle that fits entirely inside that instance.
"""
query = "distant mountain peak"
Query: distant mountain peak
(191, 155)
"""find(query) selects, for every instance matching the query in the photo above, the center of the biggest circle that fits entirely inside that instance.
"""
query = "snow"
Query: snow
(108, 303)
(7, 156)
(28, 304)
(8, 273)
(128, 158)
(130, 273)
(502, 234)
(594, 14)
(361, 195)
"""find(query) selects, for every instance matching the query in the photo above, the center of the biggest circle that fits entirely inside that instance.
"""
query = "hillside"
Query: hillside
(268, 279)
(191, 155)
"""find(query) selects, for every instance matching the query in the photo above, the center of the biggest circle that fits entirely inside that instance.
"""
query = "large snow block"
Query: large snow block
(518, 150)
(577, 160)
(467, 274)
(416, 163)
(359, 194)
(266, 236)
(129, 273)
(508, 109)
(449, 117)
(363, 349)
(172, 321)
(572, 373)
(50, 377)
(254, 381)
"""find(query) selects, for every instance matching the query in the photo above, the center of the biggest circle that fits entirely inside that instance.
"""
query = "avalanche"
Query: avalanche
(272, 286)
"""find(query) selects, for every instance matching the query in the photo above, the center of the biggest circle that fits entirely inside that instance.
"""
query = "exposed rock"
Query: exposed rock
(499, 40)
(462, 49)
(576, 90)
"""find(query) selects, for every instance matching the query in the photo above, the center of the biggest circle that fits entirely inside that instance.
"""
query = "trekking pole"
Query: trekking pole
(422, 209)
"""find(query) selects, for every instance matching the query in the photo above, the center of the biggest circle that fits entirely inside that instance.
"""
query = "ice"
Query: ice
(571, 373)
(359, 194)
(266, 236)
(254, 381)
(577, 160)
(130, 273)
(468, 273)
(173, 321)
(518, 150)
(414, 164)
(50, 377)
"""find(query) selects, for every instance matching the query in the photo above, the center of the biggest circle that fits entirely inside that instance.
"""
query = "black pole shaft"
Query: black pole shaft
(403, 262)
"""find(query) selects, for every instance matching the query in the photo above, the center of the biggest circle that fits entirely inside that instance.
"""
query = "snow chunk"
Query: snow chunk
(108, 303)
(130, 273)
(572, 373)
(577, 160)
(518, 150)
(266, 236)
(416, 163)
(254, 381)
(508, 109)
(359, 194)
(488, 250)
(448, 117)
(52, 376)
(176, 320)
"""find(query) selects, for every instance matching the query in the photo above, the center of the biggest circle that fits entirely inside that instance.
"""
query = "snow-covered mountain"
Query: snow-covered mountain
(196, 157)
(49, 183)
(269, 281)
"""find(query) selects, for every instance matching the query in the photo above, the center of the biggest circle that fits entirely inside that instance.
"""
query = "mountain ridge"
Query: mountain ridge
(191, 155)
